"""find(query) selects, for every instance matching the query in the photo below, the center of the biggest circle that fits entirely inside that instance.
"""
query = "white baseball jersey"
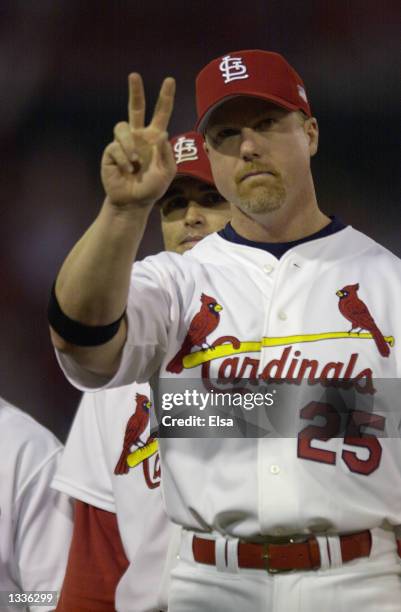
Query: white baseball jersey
(107, 464)
(280, 318)
(35, 521)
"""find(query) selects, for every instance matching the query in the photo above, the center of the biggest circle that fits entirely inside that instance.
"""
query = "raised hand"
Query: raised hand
(138, 166)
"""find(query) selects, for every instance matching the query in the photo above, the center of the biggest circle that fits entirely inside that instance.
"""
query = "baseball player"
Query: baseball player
(283, 294)
(110, 465)
(35, 521)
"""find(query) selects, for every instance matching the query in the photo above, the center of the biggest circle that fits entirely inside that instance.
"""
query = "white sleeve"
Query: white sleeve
(149, 311)
(83, 472)
(43, 532)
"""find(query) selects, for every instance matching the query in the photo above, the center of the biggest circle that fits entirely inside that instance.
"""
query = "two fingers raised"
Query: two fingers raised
(137, 106)
(130, 137)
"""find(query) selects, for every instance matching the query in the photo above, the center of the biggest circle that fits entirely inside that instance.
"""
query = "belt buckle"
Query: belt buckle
(266, 556)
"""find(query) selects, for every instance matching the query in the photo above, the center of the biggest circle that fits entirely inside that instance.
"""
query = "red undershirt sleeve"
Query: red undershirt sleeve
(96, 562)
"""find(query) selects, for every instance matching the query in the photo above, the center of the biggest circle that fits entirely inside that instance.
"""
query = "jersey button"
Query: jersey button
(282, 315)
(268, 268)
(275, 469)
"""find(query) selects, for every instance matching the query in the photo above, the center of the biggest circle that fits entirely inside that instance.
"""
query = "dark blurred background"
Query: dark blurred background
(63, 83)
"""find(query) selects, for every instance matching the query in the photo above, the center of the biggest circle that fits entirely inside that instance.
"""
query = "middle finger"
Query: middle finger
(164, 105)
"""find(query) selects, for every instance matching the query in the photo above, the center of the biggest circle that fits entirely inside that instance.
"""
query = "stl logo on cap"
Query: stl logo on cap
(185, 150)
(190, 157)
(233, 68)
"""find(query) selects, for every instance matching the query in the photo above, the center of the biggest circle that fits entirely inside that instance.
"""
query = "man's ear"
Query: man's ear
(312, 131)
(205, 147)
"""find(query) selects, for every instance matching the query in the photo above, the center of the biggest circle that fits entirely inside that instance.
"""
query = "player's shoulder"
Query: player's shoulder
(110, 406)
(208, 250)
(117, 396)
(350, 244)
(163, 270)
(204, 251)
(377, 250)
(19, 429)
(26, 446)
(171, 271)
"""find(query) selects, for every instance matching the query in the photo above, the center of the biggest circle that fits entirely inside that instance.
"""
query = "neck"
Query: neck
(280, 225)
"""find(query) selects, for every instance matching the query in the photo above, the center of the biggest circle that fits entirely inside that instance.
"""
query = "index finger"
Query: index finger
(136, 101)
(164, 105)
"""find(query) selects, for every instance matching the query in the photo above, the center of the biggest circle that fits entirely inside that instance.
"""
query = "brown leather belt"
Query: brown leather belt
(290, 556)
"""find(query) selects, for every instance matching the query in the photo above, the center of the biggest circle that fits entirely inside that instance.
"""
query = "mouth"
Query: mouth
(256, 173)
(192, 239)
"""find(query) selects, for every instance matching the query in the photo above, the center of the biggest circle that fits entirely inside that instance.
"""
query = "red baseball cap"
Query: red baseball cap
(255, 73)
(190, 157)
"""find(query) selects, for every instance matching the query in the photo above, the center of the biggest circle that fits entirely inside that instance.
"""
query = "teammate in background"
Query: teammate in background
(35, 521)
(109, 465)
(298, 523)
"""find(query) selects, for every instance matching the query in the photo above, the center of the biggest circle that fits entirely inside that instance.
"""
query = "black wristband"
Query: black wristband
(75, 332)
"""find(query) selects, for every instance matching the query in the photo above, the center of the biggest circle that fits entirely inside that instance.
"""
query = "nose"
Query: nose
(249, 149)
(194, 214)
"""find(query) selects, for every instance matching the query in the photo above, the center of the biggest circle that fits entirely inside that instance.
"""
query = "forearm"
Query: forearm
(93, 282)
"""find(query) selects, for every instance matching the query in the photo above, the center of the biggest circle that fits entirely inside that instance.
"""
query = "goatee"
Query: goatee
(260, 197)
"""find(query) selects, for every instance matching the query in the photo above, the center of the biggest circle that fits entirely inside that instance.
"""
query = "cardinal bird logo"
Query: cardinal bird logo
(135, 427)
(204, 323)
(356, 311)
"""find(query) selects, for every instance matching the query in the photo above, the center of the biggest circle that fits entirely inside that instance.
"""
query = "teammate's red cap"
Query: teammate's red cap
(256, 73)
(190, 157)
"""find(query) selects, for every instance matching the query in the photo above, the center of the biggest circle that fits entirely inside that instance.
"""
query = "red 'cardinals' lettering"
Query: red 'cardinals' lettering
(135, 427)
(356, 311)
(203, 324)
(290, 368)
